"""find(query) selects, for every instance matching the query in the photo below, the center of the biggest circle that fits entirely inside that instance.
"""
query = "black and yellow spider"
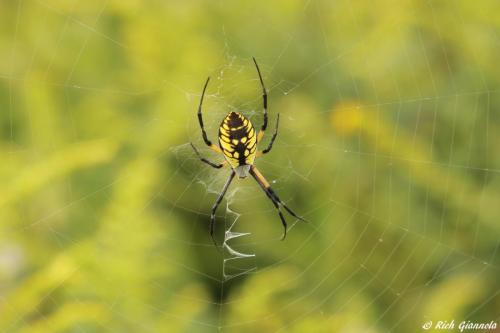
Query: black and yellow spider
(238, 143)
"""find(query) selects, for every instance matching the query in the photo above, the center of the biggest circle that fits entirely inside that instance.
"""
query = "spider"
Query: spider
(238, 143)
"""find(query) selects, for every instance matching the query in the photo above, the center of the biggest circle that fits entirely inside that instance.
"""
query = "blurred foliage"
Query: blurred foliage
(388, 146)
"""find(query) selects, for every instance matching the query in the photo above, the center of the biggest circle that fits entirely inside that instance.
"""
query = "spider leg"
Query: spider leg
(275, 134)
(264, 101)
(200, 120)
(214, 165)
(264, 184)
(280, 213)
(216, 204)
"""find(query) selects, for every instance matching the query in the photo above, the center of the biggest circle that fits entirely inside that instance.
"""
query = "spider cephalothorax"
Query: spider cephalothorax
(238, 143)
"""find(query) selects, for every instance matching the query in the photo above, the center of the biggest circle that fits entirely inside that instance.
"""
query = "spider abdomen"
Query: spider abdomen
(237, 140)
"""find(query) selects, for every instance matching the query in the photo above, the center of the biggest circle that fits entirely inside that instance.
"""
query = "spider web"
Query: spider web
(386, 146)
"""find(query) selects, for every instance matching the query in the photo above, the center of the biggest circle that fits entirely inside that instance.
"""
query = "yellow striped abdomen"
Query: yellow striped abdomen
(238, 140)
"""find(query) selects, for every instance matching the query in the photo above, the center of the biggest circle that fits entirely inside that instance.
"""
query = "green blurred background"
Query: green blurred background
(388, 145)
